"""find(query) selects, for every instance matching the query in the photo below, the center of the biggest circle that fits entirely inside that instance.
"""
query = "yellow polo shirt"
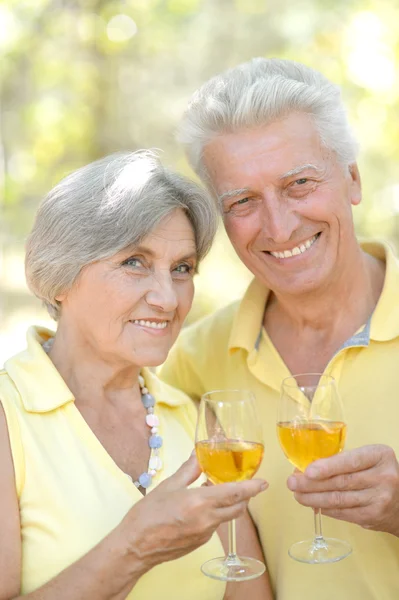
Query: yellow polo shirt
(71, 493)
(231, 349)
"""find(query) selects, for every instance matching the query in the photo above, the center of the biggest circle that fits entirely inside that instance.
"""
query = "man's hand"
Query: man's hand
(360, 486)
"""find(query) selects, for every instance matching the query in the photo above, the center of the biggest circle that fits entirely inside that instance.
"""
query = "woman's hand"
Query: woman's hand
(173, 520)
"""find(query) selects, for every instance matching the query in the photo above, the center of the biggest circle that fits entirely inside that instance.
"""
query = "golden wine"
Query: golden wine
(229, 460)
(304, 442)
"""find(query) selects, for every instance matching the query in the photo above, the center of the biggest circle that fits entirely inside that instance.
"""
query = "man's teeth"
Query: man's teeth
(297, 250)
(152, 324)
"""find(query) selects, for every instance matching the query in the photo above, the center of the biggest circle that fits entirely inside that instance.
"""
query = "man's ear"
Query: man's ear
(355, 184)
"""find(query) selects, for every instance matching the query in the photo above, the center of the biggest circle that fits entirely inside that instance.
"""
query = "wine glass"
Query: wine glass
(229, 447)
(310, 426)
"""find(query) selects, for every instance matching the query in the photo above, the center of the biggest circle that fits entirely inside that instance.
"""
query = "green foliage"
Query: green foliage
(81, 79)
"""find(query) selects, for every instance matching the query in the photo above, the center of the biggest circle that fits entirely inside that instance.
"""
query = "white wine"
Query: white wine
(304, 442)
(229, 460)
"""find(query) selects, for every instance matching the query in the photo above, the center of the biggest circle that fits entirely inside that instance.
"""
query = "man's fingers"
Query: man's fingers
(359, 516)
(350, 461)
(228, 494)
(345, 482)
(334, 500)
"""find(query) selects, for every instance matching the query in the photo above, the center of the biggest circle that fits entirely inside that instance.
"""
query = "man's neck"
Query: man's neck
(337, 310)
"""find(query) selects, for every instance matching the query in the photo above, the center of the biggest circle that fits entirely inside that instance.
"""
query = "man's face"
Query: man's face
(286, 203)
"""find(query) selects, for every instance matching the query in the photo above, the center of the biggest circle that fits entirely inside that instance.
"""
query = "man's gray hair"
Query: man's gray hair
(103, 208)
(260, 92)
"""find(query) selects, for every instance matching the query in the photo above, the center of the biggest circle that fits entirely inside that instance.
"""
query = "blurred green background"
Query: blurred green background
(82, 78)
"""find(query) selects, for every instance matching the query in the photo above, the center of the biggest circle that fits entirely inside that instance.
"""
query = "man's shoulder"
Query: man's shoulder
(216, 323)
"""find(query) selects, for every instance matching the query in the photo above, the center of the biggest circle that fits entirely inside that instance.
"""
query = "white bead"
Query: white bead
(150, 410)
(154, 430)
(141, 381)
(144, 390)
(152, 472)
(155, 463)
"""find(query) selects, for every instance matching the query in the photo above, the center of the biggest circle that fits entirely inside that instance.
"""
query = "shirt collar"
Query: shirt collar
(383, 324)
(39, 384)
(42, 389)
(247, 325)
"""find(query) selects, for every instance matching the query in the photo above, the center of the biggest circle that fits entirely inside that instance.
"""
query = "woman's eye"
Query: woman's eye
(184, 268)
(133, 262)
(242, 201)
(301, 181)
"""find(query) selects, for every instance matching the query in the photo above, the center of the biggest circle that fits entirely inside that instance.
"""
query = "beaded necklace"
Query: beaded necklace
(155, 440)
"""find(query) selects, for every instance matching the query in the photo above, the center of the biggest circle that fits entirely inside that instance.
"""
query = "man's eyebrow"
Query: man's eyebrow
(297, 170)
(233, 193)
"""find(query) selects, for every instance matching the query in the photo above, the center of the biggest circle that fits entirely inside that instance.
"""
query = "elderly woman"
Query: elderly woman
(85, 428)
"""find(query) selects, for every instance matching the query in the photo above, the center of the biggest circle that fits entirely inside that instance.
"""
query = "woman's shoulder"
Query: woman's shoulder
(8, 390)
(10, 432)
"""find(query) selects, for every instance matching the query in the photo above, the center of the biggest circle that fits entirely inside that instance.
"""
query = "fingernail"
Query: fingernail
(264, 486)
(292, 483)
(193, 453)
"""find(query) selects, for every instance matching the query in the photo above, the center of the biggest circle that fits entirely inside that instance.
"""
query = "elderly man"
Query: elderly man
(270, 139)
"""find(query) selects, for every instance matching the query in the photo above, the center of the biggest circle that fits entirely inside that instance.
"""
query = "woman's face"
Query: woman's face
(129, 308)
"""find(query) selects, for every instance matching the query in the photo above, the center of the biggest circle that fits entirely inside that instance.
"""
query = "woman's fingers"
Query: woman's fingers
(228, 494)
(184, 476)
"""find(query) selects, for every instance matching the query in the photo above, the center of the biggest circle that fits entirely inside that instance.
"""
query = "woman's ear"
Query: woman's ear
(60, 297)
(356, 184)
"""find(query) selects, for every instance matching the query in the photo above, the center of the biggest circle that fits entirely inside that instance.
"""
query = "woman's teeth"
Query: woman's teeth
(151, 324)
(297, 250)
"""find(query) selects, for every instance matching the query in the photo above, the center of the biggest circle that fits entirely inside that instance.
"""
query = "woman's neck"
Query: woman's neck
(91, 377)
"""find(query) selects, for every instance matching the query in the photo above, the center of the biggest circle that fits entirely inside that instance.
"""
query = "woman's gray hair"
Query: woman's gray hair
(260, 92)
(103, 208)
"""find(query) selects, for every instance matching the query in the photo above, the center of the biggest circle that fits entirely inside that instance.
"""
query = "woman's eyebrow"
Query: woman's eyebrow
(149, 252)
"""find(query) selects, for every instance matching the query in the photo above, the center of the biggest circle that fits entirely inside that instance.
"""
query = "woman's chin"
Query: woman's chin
(150, 360)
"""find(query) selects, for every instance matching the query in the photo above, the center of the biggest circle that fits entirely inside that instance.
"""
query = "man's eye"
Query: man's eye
(301, 181)
(242, 201)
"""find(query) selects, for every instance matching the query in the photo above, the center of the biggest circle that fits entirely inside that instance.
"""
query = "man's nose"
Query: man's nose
(162, 294)
(279, 221)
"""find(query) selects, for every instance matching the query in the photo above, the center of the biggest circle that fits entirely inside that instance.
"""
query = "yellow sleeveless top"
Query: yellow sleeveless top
(71, 493)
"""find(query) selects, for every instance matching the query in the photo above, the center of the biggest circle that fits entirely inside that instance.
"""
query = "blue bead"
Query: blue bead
(148, 400)
(155, 441)
(145, 480)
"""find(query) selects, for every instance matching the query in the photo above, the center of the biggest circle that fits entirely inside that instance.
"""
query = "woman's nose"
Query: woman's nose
(162, 294)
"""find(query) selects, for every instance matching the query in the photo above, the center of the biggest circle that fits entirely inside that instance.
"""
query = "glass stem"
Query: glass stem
(232, 555)
(317, 524)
